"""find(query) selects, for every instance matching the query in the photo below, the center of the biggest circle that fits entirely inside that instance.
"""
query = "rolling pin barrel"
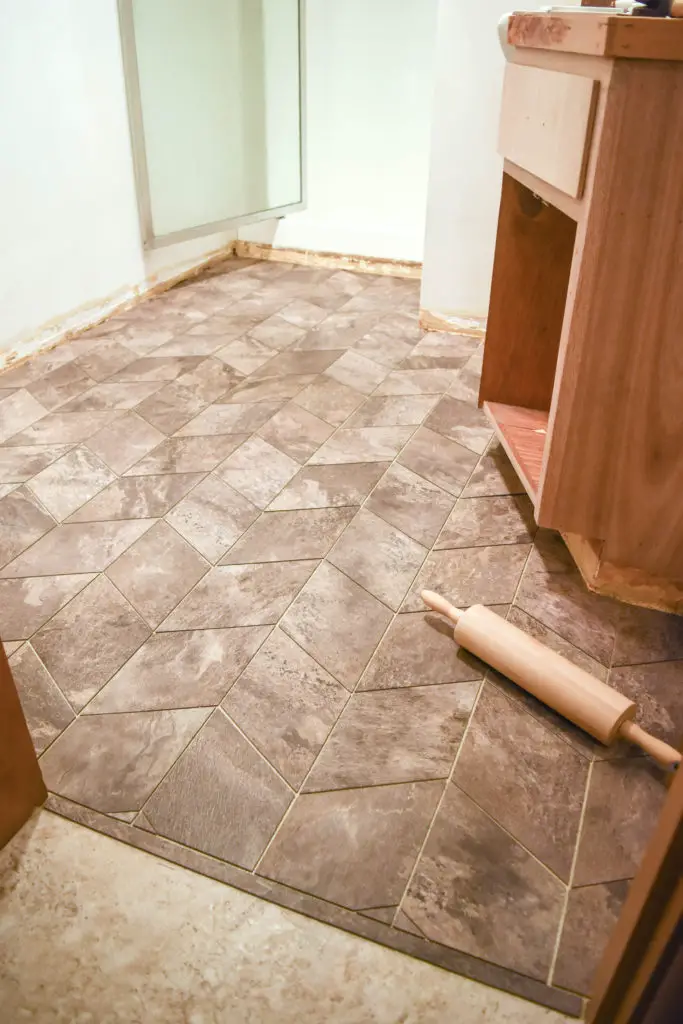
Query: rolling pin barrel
(582, 698)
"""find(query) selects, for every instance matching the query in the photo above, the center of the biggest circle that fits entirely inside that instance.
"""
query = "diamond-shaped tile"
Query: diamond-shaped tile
(362, 444)
(88, 640)
(461, 422)
(125, 441)
(394, 411)
(22, 522)
(337, 622)
(286, 704)
(257, 470)
(419, 650)
(470, 575)
(105, 358)
(493, 475)
(411, 504)
(475, 889)
(330, 400)
(402, 735)
(379, 557)
(657, 690)
(62, 384)
(240, 595)
(297, 362)
(592, 915)
(63, 427)
(25, 604)
(476, 522)
(644, 635)
(357, 372)
(526, 777)
(76, 548)
(353, 847)
(187, 455)
(113, 396)
(248, 798)
(137, 497)
(157, 572)
(445, 463)
(245, 354)
(178, 670)
(157, 368)
(46, 710)
(271, 389)
(280, 536)
(113, 762)
(230, 419)
(296, 432)
(329, 486)
(17, 413)
(69, 482)
(19, 464)
(417, 382)
(212, 517)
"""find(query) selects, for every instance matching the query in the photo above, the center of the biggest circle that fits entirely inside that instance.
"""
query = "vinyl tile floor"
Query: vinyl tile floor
(217, 511)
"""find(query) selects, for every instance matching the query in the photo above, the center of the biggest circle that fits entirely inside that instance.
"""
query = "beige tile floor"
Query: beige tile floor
(95, 932)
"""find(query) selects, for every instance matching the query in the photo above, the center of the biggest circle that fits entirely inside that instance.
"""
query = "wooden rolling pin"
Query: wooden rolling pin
(603, 712)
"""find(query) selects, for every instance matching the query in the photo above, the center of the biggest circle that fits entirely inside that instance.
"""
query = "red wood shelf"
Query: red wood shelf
(522, 433)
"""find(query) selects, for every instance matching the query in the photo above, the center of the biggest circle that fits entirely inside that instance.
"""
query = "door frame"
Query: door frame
(139, 153)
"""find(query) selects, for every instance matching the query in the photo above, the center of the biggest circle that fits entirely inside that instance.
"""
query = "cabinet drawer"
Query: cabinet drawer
(546, 123)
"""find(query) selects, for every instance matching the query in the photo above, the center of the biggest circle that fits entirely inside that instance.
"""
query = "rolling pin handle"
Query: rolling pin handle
(663, 754)
(440, 604)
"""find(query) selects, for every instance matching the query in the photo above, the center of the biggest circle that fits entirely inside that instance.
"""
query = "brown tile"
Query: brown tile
(340, 329)
(592, 914)
(63, 427)
(338, 288)
(357, 371)
(290, 362)
(287, 536)
(401, 735)
(62, 384)
(245, 354)
(177, 403)
(657, 690)
(140, 338)
(295, 432)
(494, 475)
(443, 462)
(248, 798)
(461, 422)
(180, 670)
(549, 553)
(302, 313)
(379, 557)
(329, 486)
(18, 376)
(397, 411)
(125, 441)
(240, 595)
(476, 522)
(272, 389)
(258, 471)
(6, 489)
(439, 350)
(286, 704)
(470, 576)
(647, 636)
(230, 419)
(137, 497)
(19, 464)
(157, 368)
(106, 358)
(212, 517)
(475, 889)
(97, 629)
(562, 602)
(112, 396)
(383, 914)
(355, 847)
(76, 548)
(157, 572)
(411, 504)
(68, 483)
(25, 604)
(23, 521)
(419, 650)
(187, 455)
(465, 387)
(190, 345)
(17, 413)
(337, 622)
(330, 400)
(417, 382)
(46, 711)
(11, 646)
(277, 333)
(114, 762)
(624, 801)
(526, 777)
(364, 444)
(391, 340)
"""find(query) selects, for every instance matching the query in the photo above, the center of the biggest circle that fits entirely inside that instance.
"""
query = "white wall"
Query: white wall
(70, 247)
(465, 169)
(370, 76)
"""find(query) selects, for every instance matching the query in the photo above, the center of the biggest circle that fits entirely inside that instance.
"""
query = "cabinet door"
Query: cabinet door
(215, 105)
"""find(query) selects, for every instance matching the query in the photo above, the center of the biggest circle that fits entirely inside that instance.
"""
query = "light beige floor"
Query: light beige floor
(95, 932)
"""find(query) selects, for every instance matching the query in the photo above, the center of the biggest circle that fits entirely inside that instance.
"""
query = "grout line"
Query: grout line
(219, 707)
(572, 871)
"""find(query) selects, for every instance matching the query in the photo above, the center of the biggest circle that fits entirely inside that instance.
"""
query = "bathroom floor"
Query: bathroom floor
(217, 511)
